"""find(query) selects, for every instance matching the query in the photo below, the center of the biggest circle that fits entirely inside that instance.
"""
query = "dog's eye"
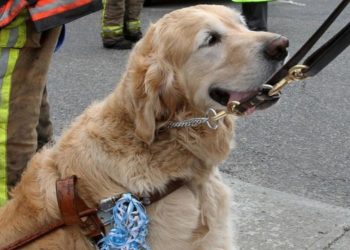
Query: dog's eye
(213, 39)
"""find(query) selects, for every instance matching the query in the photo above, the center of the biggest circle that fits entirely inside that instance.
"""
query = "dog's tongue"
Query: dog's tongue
(241, 97)
(250, 111)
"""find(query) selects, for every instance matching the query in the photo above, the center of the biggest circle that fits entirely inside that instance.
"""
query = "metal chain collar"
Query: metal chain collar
(194, 122)
(211, 119)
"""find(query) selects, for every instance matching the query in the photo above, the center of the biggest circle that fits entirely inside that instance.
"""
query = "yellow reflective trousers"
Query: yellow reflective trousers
(25, 125)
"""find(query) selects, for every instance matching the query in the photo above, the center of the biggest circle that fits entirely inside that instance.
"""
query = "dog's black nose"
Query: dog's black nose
(276, 49)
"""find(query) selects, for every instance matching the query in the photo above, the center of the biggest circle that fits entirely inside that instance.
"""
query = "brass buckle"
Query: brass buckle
(214, 117)
(296, 73)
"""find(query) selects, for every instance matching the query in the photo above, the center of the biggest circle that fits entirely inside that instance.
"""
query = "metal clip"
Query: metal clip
(296, 73)
(214, 117)
(231, 108)
(105, 210)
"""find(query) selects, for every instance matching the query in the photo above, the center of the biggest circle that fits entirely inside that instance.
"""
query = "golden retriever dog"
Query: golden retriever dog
(190, 60)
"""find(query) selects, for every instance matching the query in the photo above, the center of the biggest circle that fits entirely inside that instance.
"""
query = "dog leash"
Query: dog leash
(312, 65)
(289, 72)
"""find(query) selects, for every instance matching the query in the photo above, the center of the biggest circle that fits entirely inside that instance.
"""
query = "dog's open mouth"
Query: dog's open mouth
(223, 97)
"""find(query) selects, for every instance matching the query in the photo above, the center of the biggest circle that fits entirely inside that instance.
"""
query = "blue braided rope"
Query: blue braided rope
(130, 227)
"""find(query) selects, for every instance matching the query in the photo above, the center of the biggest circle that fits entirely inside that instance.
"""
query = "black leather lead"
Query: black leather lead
(315, 63)
(328, 52)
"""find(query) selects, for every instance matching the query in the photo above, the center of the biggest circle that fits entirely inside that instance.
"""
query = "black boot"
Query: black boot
(133, 36)
(255, 15)
(120, 43)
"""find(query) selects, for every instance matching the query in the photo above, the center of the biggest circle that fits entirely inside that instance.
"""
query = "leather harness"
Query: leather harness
(74, 211)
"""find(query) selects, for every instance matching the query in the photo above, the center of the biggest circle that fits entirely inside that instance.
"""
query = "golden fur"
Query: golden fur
(117, 145)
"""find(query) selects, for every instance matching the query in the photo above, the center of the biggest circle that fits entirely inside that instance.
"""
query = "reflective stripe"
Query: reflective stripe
(112, 30)
(5, 89)
(104, 4)
(9, 12)
(109, 31)
(50, 6)
(48, 11)
(8, 59)
(133, 25)
(14, 35)
(4, 58)
(22, 36)
(4, 38)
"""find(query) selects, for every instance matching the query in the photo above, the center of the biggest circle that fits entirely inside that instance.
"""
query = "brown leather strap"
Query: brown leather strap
(73, 208)
(156, 196)
(67, 203)
(32, 237)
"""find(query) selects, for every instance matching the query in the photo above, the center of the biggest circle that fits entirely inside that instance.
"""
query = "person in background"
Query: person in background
(29, 33)
(255, 13)
(121, 26)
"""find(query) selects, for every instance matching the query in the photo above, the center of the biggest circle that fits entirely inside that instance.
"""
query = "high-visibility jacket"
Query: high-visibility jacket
(47, 14)
(9, 9)
(251, 1)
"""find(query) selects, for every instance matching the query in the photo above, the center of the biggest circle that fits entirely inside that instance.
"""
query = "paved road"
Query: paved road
(299, 149)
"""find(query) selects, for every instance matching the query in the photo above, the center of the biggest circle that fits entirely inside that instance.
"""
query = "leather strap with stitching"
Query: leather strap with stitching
(156, 196)
(74, 211)
(73, 208)
(32, 237)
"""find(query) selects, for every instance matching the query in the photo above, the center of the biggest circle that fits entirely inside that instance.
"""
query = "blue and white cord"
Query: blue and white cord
(130, 226)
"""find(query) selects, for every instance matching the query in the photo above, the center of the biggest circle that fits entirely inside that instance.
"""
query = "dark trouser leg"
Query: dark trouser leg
(256, 15)
(132, 26)
(112, 18)
(28, 81)
(113, 24)
(133, 10)
(44, 128)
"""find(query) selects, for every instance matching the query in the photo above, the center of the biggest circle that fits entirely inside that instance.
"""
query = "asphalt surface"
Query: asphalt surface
(298, 149)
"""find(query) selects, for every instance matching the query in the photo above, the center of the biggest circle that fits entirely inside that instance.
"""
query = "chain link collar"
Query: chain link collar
(211, 119)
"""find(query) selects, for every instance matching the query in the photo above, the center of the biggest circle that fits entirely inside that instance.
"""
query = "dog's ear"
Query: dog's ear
(155, 92)
(149, 75)
(150, 105)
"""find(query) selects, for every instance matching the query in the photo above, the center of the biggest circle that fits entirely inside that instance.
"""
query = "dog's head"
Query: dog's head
(198, 58)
